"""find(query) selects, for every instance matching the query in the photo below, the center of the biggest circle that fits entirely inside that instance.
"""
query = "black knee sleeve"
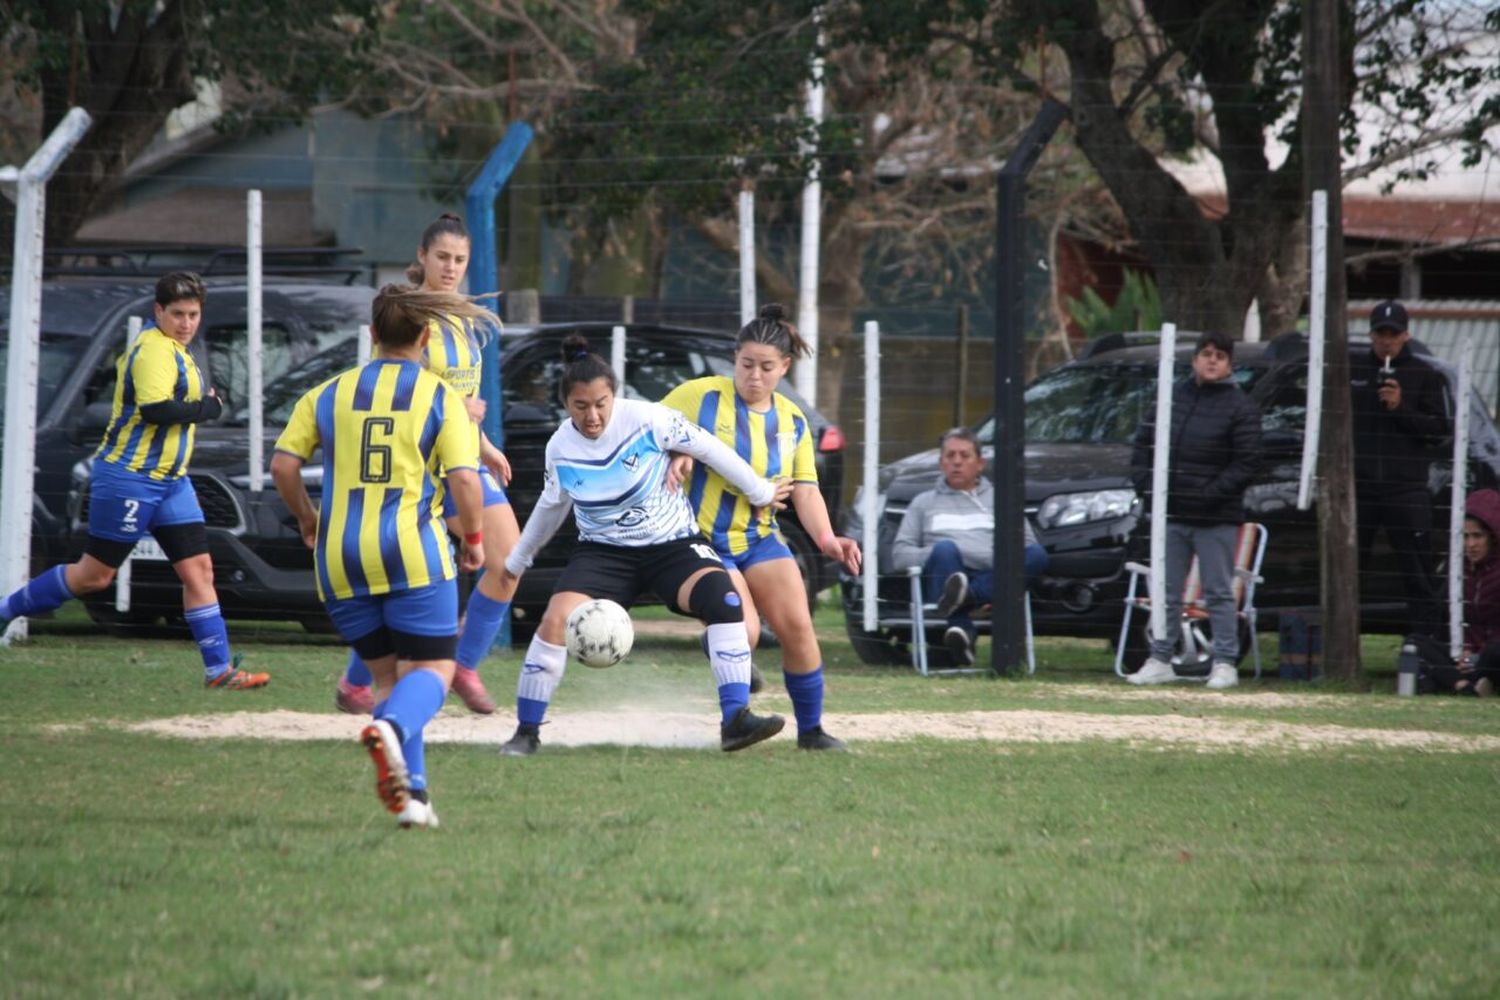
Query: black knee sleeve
(714, 601)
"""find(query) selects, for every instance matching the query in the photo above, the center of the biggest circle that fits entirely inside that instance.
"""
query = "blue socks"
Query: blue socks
(357, 673)
(47, 592)
(414, 700)
(807, 697)
(482, 621)
(733, 697)
(207, 626)
(530, 712)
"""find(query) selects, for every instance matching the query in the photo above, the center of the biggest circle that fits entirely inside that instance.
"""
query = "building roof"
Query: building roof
(208, 217)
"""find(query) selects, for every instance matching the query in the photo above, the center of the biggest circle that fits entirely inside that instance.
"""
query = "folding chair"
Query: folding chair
(919, 611)
(1249, 550)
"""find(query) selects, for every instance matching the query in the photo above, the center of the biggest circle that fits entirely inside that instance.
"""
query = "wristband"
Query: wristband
(477, 538)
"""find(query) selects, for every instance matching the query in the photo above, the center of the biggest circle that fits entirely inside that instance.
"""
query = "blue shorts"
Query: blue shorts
(431, 611)
(125, 506)
(493, 494)
(762, 549)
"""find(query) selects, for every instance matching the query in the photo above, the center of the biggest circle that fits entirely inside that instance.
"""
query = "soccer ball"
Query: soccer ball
(600, 633)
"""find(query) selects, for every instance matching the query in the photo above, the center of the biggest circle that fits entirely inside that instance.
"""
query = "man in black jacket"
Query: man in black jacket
(1214, 449)
(1398, 406)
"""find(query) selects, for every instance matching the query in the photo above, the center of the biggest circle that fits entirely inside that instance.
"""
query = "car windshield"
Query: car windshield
(60, 355)
(1095, 403)
(281, 394)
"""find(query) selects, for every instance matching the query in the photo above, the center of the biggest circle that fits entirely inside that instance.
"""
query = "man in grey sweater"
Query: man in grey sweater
(950, 532)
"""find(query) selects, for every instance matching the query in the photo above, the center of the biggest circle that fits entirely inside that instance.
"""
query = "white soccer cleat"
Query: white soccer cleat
(417, 813)
(1223, 675)
(1153, 671)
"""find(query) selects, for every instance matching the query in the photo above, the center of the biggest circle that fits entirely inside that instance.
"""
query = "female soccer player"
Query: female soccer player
(636, 534)
(383, 565)
(137, 484)
(453, 355)
(769, 431)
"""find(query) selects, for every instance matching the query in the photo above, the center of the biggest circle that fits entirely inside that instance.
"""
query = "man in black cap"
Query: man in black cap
(1400, 418)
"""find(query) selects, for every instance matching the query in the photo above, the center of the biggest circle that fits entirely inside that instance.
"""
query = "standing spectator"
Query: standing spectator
(1214, 449)
(950, 532)
(138, 484)
(1397, 404)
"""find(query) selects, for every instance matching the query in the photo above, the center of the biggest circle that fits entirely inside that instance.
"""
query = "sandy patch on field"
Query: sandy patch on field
(638, 727)
(1192, 694)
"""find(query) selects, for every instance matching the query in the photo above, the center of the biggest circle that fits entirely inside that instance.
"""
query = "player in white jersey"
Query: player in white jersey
(637, 534)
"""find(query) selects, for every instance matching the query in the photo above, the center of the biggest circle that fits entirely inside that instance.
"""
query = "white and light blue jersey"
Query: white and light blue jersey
(616, 484)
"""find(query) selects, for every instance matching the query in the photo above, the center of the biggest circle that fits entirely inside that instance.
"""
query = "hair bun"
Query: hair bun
(773, 311)
(450, 216)
(575, 347)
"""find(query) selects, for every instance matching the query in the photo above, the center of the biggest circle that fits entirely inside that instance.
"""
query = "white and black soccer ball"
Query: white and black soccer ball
(599, 633)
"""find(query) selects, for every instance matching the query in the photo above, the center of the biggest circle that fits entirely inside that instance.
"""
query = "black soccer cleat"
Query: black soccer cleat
(523, 744)
(746, 728)
(816, 739)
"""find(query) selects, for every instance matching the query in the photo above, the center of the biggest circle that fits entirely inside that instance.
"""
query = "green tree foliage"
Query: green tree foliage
(1146, 80)
(1137, 307)
(130, 63)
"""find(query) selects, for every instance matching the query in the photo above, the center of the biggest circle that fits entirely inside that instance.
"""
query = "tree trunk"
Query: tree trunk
(137, 73)
(1337, 537)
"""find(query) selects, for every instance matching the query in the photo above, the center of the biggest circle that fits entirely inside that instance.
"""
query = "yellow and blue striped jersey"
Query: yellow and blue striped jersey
(155, 369)
(777, 444)
(385, 430)
(452, 354)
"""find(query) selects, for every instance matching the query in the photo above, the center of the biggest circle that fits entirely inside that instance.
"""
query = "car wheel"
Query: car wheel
(319, 625)
(879, 649)
(134, 624)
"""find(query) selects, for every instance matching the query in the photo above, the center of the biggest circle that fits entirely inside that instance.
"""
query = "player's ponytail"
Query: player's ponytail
(446, 224)
(583, 365)
(400, 313)
(770, 327)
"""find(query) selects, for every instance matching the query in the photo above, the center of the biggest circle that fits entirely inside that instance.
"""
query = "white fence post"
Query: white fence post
(747, 253)
(1458, 497)
(23, 356)
(871, 499)
(617, 353)
(364, 348)
(805, 378)
(1157, 583)
(255, 343)
(1316, 334)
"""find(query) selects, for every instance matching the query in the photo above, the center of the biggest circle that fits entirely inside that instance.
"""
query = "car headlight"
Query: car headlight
(1067, 509)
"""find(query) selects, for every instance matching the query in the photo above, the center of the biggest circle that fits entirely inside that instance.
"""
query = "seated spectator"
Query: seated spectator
(1478, 669)
(950, 532)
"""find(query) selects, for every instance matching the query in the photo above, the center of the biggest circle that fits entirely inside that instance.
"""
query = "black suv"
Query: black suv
(1081, 420)
(83, 334)
(262, 569)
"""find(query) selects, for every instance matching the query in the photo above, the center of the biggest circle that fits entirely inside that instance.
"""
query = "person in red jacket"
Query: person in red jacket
(1478, 669)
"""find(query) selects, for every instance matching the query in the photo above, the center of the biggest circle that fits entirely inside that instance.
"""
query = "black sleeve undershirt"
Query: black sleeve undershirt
(171, 411)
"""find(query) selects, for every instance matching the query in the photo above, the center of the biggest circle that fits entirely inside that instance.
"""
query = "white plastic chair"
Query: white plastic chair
(1249, 551)
(919, 611)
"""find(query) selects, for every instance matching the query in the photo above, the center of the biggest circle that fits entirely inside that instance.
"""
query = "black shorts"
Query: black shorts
(623, 573)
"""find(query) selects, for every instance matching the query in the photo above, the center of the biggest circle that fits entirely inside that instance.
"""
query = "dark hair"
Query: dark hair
(180, 285)
(1221, 341)
(770, 327)
(962, 434)
(446, 224)
(400, 313)
(583, 365)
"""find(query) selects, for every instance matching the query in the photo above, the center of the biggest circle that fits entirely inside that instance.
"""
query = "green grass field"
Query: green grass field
(135, 864)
